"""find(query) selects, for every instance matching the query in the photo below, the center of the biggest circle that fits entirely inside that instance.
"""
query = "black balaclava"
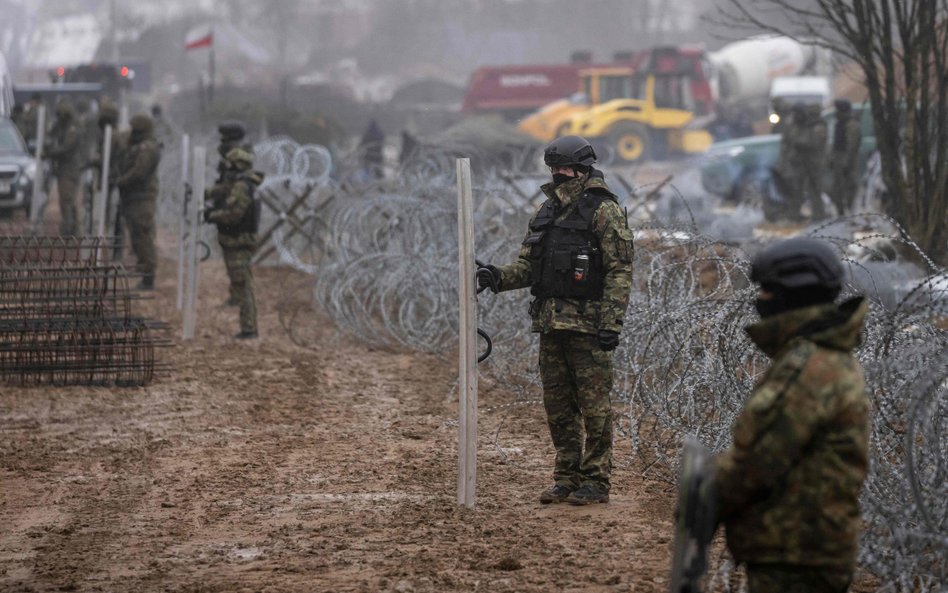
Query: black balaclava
(560, 178)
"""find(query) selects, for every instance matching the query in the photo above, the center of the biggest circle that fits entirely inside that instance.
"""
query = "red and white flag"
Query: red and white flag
(197, 38)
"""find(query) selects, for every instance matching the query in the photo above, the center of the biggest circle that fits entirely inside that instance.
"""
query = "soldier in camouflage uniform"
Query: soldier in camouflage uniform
(577, 260)
(844, 157)
(27, 121)
(138, 193)
(235, 213)
(788, 486)
(232, 135)
(63, 149)
(813, 163)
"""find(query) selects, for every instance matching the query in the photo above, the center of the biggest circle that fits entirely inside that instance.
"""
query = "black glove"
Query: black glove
(207, 214)
(488, 277)
(608, 339)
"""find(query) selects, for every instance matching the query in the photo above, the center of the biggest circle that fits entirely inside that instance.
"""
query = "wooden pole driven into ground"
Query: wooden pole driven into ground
(183, 219)
(38, 178)
(195, 212)
(467, 368)
(102, 197)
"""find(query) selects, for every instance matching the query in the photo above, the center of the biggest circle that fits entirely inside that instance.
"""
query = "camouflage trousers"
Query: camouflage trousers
(67, 185)
(843, 191)
(577, 379)
(237, 261)
(786, 578)
(139, 217)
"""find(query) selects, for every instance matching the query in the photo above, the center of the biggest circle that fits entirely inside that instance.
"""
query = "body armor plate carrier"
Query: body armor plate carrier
(250, 222)
(565, 258)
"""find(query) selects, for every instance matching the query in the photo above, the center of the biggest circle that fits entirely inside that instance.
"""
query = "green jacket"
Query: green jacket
(847, 159)
(233, 207)
(788, 487)
(611, 228)
(63, 148)
(138, 175)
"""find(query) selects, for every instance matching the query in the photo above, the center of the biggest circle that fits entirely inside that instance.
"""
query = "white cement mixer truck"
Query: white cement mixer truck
(750, 73)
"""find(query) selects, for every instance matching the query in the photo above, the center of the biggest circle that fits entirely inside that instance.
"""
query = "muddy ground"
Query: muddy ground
(268, 466)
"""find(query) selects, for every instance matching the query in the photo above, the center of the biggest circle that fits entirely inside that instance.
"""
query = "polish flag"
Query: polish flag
(197, 38)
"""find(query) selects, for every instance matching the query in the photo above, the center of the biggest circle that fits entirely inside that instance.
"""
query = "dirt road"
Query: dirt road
(268, 466)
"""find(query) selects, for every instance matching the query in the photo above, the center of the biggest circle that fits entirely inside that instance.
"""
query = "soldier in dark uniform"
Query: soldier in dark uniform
(788, 486)
(138, 193)
(844, 157)
(62, 149)
(813, 160)
(577, 261)
(235, 213)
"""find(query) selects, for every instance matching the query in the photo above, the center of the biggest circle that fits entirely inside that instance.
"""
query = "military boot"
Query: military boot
(555, 493)
(246, 335)
(147, 283)
(587, 495)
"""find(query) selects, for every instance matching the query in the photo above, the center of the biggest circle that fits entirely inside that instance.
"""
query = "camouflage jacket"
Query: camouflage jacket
(611, 228)
(138, 175)
(847, 159)
(788, 486)
(63, 148)
(231, 199)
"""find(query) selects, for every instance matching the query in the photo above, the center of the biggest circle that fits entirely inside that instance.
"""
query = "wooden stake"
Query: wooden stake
(38, 179)
(194, 217)
(467, 367)
(101, 198)
(183, 219)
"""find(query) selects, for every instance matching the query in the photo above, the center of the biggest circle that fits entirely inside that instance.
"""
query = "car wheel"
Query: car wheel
(631, 142)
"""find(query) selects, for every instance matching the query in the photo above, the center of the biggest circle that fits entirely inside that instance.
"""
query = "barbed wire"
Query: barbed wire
(381, 247)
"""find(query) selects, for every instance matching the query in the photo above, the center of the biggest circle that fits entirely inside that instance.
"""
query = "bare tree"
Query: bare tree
(901, 48)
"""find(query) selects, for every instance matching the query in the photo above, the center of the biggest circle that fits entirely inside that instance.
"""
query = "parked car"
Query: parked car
(17, 170)
(738, 169)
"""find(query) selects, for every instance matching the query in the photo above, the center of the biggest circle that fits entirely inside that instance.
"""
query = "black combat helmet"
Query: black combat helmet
(568, 151)
(799, 272)
(231, 131)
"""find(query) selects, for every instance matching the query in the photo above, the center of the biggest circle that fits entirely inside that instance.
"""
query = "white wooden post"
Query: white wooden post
(100, 200)
(183, 215)
(194, 217)
(467, 367)
(38, 179)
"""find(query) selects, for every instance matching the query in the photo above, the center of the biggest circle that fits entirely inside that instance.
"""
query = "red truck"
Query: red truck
(514, 91)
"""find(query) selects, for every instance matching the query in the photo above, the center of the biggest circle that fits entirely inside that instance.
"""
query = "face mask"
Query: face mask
(559, 178)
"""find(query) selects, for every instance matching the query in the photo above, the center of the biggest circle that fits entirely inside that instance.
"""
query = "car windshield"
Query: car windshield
(10, 141)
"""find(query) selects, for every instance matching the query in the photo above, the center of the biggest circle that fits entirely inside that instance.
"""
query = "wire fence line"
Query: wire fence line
(382, 253)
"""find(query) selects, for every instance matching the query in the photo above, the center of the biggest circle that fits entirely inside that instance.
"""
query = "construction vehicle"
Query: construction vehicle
(676, 94)
(596, 86)
(668, 106)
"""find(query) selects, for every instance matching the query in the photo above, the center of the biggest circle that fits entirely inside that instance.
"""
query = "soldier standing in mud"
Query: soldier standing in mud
(577, 261)
(232, 136)
(138, 194)
(234, 211)
(844, 157)
(63, 150)
(787, 489)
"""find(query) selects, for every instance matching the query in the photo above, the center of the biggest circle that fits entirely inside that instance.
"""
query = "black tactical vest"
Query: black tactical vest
(250, 222)
(565, 256)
